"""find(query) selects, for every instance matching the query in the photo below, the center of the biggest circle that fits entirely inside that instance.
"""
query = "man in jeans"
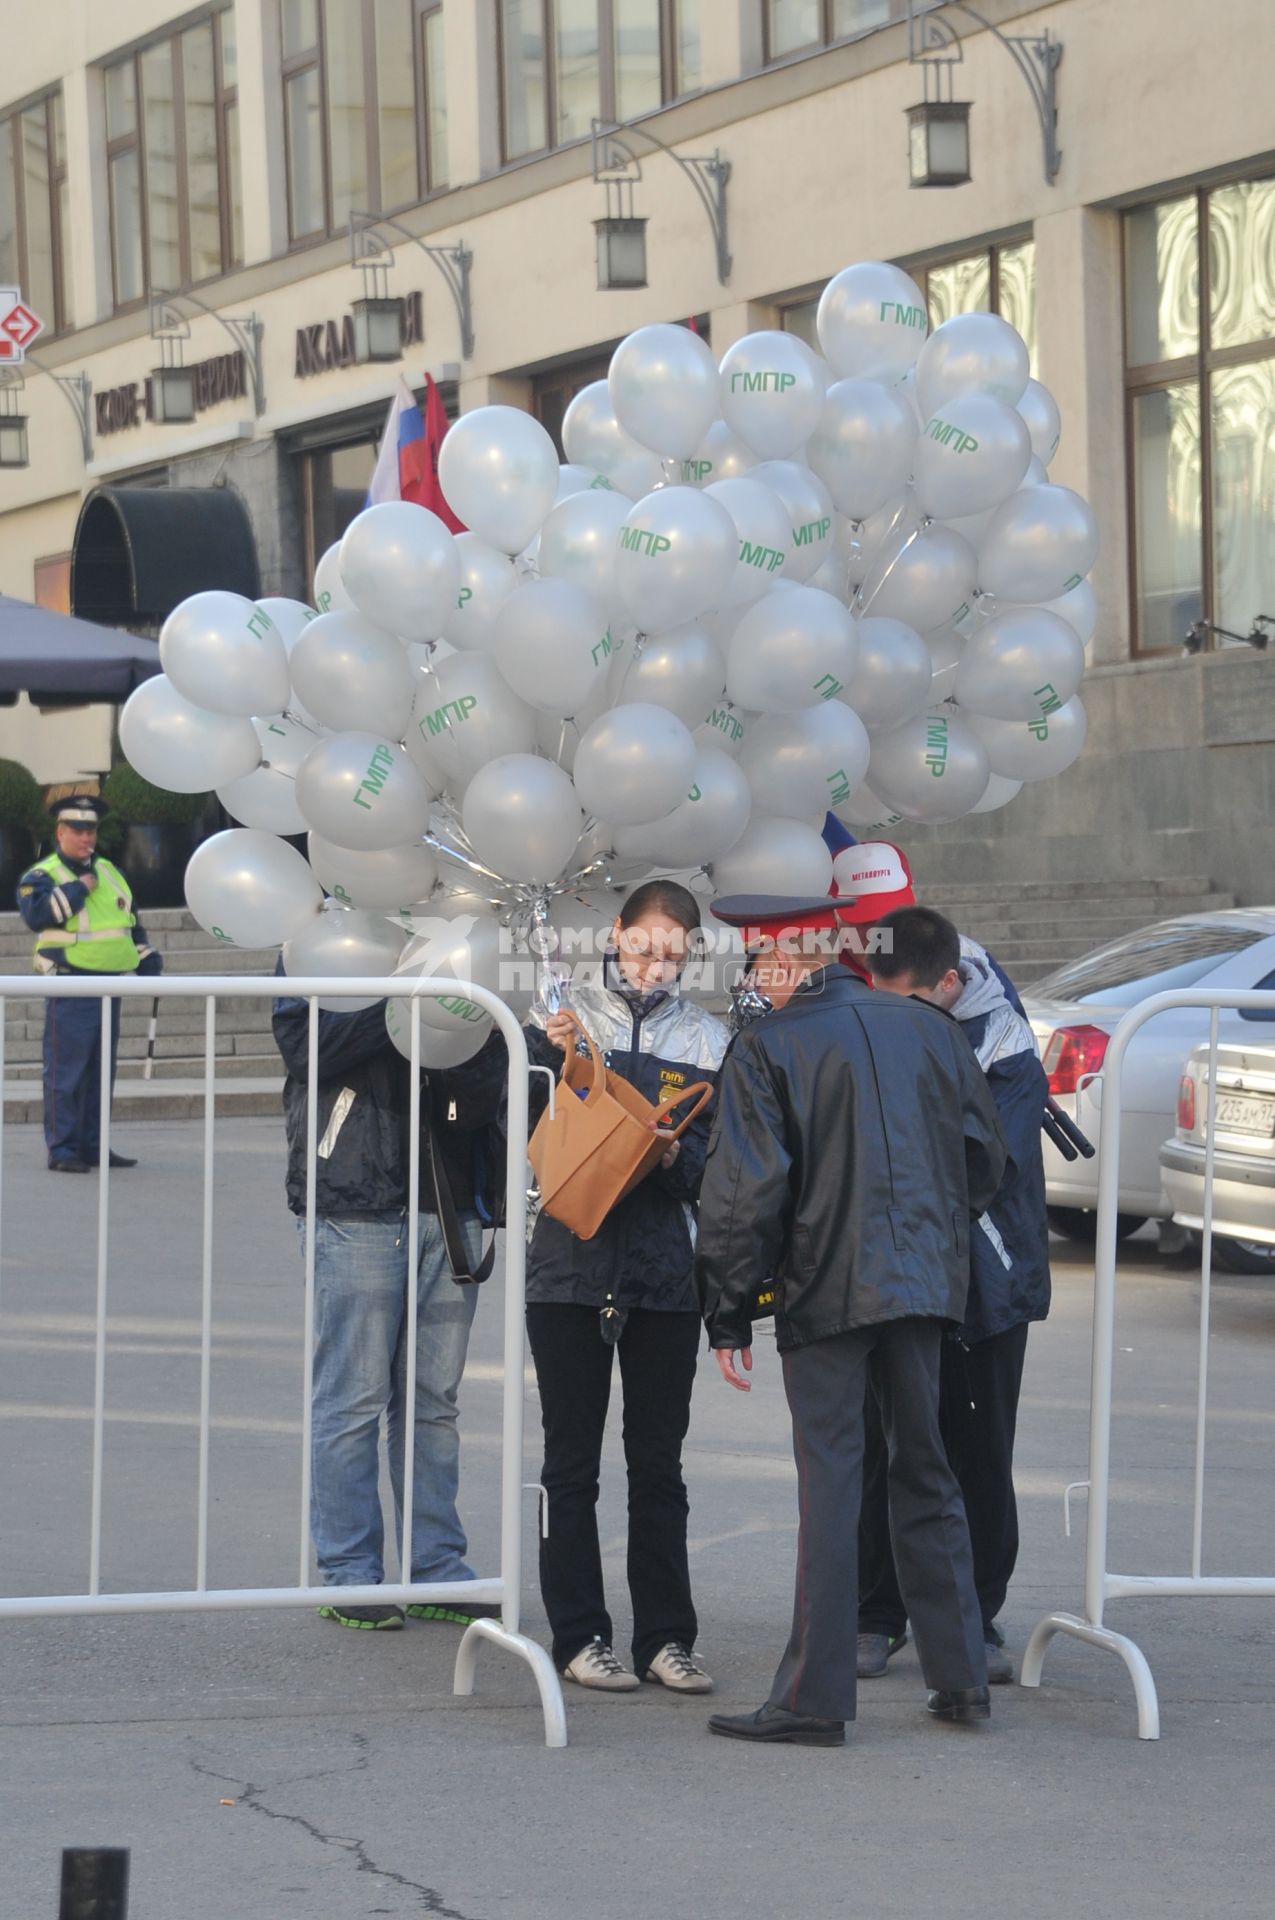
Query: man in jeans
(361, 1267)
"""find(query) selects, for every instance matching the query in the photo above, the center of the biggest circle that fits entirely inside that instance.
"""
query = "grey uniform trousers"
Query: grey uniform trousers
(825, 1383)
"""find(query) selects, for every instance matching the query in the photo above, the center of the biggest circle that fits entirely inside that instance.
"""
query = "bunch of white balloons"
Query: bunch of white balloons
(760, 591)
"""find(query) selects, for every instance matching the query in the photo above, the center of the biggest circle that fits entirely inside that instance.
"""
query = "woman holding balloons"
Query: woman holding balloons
(627, 1290)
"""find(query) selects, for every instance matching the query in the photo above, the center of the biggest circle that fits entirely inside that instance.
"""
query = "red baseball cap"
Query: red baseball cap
(872, 879)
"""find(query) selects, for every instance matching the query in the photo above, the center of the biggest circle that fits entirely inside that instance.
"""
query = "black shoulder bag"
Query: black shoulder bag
(445, 1205)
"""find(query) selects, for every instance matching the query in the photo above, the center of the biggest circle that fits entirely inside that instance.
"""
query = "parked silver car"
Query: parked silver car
(1243, 1155)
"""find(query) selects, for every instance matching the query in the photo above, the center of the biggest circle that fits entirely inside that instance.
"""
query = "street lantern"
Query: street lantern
(939, 143)
(378, 329)
(621, 252)
(13, 439)
(172, 395)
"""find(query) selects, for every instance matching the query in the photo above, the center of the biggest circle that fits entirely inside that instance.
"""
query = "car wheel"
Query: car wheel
(1243, 1256)
(1081, 1223)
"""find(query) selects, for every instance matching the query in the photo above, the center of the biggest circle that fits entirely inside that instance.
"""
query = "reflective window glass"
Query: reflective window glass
(792, 24)
(1167, 472)
(435, 99)
(347, 131)
(961, 286)
(203, 211)
(126, 227)
(1243, 422)
(1016, 297)
(687, 54)
(33, 132)
(305, 153)
(523, 64)
(577, 67)
(10, 268)
(639, 85)
(1162, 282)
(1242, 263)
(396, 102)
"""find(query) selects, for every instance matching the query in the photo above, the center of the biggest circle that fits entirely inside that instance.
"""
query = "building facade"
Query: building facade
(216, 156)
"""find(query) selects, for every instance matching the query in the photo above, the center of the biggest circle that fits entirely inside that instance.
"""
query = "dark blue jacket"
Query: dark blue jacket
(1009, 1246)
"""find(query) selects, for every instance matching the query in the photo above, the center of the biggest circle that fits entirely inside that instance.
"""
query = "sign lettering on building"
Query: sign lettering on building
(329, 344)
(225, 377)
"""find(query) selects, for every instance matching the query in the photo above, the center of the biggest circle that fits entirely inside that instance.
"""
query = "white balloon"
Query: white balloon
(593, 436)
(771, 392)
(925, 577)
(330, 595)
(251, 889)
(1044, 423)
(707, 824)
(347, 945)
(677, 553)
(892, 673)
(289, 618)
(522, 818)
(946, 648)
(499, 473)
(225, 654)
(573, 479)
(1000, 792)
(972, 353)
(805, 763)
(808, 505)
(933, 768)
(438, 1051)
(552, 645)
(872, 322)
(1041, 544)
(487, 579)
(720, 455)
(863, 446)
(267, 798)
(389, 877)
(362, 792)
(763, 531)
(578, 544)
(791, 650)
(177, 745)
(466, 714)
(868, 815)
(399, 566)
(353, 676)
(1079, 608)
(1024, 662)
(683, 670)
(473, 950)
(1033, 749)
(725, 726)
(972, 455)
(775, 856)
(635, 764)
(663, 386)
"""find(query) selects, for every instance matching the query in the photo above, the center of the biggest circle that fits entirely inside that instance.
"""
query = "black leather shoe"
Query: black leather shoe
(69, 1166)
(121, 1159)
(962, 1704)
(775, 1724)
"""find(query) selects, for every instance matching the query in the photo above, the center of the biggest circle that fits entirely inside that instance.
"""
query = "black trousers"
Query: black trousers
(978, 1411)
(826, 1384)
(573, 1368)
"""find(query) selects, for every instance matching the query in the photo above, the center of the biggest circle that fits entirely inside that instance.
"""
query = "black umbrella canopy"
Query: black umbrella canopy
(52, 656)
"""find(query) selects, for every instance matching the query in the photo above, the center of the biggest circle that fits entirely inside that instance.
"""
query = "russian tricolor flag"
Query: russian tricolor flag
(407, 463)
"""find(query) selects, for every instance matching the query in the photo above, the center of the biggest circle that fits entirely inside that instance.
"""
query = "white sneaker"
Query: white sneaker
(675, 1666)
(596, 1666)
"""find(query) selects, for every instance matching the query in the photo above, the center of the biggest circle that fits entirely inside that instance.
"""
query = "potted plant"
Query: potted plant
(151, 833)
(22, 823)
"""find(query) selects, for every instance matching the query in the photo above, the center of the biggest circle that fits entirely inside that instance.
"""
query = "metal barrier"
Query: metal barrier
(504, 1588)
(1101, 1584)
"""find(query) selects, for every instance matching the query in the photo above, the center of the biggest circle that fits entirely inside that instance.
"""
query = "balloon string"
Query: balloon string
(305, 726)
(860, 604)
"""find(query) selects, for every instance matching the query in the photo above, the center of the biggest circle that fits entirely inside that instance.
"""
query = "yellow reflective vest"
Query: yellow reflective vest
(101, 934)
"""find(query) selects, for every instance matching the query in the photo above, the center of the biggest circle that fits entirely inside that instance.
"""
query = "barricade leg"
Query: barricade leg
(537, 1659)
(1132, 1655)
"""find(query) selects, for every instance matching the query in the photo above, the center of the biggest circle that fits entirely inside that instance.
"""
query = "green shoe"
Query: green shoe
(371, 1619)
(451, 1616)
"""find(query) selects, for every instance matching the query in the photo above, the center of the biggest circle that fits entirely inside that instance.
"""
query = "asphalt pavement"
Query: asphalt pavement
(270, 1765)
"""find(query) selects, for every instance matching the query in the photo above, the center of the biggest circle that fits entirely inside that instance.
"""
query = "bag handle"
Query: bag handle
(705, 1091)
(571, 1055)
(448, 1218)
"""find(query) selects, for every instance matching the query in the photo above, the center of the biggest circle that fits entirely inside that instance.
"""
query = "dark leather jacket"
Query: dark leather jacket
(853, 1140)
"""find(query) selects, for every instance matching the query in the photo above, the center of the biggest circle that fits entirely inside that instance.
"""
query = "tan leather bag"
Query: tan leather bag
(601, 1139)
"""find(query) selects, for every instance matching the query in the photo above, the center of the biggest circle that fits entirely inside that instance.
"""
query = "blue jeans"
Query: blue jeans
(360, 1379)
(73, 1077)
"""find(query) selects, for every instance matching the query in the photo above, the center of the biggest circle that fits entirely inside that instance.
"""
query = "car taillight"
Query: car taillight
(1186, 1104)
(1073, 1052)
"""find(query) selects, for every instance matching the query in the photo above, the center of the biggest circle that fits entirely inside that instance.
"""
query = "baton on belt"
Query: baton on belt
(1064, 1133)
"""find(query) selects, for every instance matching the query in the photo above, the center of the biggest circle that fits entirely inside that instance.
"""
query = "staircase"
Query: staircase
(249, 1072)
(1033, 926)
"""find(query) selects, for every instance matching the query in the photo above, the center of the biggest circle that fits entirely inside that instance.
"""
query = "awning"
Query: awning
(139, 551)
(54, 657)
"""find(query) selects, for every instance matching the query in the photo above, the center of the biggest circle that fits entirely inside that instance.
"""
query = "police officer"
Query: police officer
(80, 909)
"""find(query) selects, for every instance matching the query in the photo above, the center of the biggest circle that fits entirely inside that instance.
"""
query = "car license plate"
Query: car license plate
(1245, 1113)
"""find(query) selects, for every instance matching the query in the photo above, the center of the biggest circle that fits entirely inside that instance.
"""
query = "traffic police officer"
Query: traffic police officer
(80, 909)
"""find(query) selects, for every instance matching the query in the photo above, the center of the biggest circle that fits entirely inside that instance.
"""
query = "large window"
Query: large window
(1200, 410)
(566, 63)
(993, 280)
(365, 108)
(33, 207)
(799, 26)
(172, 155)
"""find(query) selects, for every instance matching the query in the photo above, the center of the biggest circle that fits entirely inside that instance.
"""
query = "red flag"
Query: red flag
(418, 461)
(693, 324)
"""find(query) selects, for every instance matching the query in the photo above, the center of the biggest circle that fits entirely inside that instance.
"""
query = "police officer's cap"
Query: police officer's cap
(78, 810)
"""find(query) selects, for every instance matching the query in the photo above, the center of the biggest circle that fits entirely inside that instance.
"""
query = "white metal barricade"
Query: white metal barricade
(503, 1588)
(1101, 1584)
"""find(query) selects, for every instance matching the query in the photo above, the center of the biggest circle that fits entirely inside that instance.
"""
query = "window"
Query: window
(334, 484)
(365, 108)
(33, 219)
(799, 26)
(566, 63)
(1200, 411)
(172, 155)
(552, 393)
(995, 280)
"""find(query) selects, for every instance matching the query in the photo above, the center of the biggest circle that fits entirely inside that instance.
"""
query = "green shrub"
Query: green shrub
(134, 802)
(21, 799)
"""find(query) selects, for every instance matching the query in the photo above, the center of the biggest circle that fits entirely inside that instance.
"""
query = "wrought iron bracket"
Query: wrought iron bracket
(168, 322)
(77, 391)
(615, 162)
(370, 250)
(933, 43)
